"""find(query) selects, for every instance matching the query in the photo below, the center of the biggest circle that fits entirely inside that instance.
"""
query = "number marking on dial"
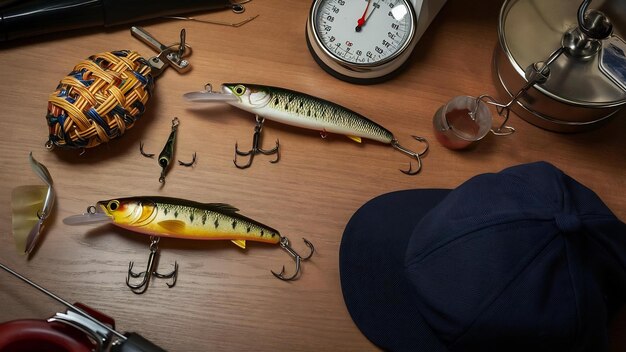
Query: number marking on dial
(384, 33)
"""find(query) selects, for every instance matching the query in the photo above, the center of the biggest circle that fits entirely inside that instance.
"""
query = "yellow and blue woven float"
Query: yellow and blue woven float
(99, 100)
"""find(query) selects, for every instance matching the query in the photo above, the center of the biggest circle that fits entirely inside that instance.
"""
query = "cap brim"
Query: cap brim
(371, 265)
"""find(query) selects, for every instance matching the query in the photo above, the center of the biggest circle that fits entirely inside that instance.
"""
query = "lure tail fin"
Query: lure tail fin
(26, 203)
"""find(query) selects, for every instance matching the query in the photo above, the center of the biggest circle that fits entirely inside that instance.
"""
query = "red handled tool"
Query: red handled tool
(79, 329)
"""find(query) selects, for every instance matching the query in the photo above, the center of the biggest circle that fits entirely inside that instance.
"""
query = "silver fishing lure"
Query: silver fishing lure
(302, 110)
(31, 205)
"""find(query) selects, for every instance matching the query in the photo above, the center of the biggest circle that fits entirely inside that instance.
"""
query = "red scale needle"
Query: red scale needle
(361, 21)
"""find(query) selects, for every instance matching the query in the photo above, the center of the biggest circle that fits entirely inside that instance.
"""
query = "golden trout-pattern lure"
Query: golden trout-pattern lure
(178, 218)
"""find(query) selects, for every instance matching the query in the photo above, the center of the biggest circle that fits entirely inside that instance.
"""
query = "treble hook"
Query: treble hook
(284, 244)
(256, 140)
(142, 286)
(417, 156)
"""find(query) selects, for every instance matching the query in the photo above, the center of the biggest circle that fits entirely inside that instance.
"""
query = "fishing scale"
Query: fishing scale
(366, 41)
(107, 93)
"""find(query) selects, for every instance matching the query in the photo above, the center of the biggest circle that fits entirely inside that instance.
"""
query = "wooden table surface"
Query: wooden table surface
(226, 298)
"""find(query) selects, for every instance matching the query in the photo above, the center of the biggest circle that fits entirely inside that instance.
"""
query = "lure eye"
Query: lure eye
(113, 205)
(239, 90)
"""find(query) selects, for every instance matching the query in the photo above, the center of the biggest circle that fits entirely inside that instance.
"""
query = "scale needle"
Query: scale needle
(361, 21)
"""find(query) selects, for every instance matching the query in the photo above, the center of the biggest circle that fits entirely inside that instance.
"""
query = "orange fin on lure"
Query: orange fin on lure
(176, 226)
(239, 243)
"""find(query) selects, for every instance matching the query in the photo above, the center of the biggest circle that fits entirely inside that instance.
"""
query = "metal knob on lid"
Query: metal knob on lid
(594, 23)
(585, 78)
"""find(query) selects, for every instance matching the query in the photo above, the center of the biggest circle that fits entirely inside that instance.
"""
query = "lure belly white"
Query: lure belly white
(298, 109)
(305, 111)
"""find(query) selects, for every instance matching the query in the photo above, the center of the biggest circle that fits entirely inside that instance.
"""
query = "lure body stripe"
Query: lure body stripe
(306, 111)
(173, 217)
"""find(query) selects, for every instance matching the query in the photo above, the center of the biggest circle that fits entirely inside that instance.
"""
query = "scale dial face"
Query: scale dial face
(361, 36)
(386, 30)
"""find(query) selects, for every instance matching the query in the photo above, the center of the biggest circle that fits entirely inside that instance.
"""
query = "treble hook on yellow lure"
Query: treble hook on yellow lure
(180, 218)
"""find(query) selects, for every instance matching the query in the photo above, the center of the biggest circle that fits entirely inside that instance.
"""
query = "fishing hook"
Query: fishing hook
(142, 286)
(417, 156)
(284, 244)
(256, 140)
(147, 155)
(503, 110)
(189, 164)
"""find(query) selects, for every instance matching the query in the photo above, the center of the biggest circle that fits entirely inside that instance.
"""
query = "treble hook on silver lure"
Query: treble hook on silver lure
(417, 156)
(256, 149)
(302, 110)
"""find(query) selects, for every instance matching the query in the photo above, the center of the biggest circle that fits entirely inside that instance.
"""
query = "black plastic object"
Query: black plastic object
(136, 343)
(594, 23)
(19, 19)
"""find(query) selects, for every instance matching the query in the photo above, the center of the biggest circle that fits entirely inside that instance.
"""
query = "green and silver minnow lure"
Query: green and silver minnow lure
(301, 110)
(180, 218)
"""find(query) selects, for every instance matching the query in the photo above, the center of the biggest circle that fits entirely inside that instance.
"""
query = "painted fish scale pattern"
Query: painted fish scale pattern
(204, 223)
(325, 111)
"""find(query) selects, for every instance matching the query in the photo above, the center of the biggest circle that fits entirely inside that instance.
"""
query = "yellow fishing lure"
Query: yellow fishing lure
(179, 218)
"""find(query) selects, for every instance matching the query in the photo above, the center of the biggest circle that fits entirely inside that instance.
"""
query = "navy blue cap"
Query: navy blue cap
(526, 259)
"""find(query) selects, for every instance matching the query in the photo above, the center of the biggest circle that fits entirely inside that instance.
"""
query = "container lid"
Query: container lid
(530, 30)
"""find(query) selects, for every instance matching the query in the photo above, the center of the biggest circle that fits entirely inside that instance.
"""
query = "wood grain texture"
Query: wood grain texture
(226, 298)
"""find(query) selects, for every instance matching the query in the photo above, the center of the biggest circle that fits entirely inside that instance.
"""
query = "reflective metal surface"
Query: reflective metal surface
(577, 95)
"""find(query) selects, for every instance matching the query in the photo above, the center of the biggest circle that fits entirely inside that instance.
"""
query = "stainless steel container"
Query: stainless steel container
(577, 95)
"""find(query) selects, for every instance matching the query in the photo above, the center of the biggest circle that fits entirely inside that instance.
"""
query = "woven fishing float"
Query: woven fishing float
(104, 95)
